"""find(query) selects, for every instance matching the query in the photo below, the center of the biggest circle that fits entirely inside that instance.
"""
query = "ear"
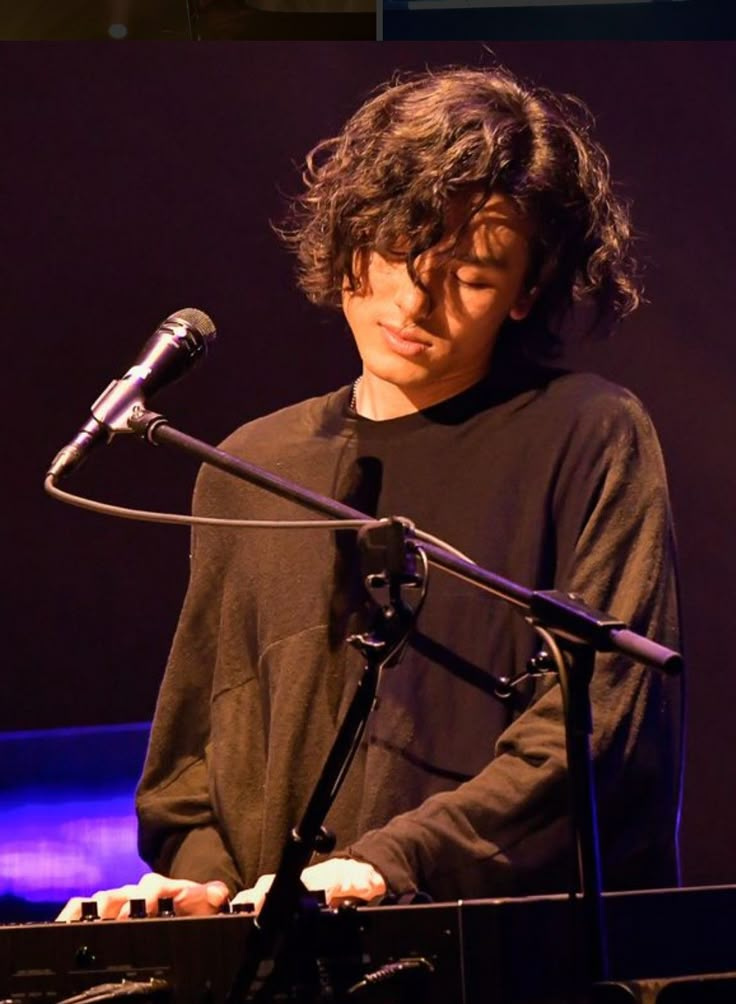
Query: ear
(524, 304)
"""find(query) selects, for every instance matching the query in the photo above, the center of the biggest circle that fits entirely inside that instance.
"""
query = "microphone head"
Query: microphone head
(196, 319)
(200, 328)
(177, 344)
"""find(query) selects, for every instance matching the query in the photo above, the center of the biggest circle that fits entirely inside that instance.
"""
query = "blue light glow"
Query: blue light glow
(66, 801)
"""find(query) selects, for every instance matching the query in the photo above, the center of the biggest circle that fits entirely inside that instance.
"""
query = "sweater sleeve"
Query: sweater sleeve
(178, 831)
(507, 830)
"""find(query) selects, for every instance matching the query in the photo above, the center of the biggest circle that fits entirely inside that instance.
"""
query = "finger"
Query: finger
(344, 879)
(201, 899)
(71, 911)
(256, 895)
(245, 899)
(353, 894)
(110, 902)
(154, 887)
(372, 886)
(152, 883)
(262, 888)
(190, 898)
(217, 894)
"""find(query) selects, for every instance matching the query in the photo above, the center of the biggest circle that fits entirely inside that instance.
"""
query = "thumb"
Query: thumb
(216, 893)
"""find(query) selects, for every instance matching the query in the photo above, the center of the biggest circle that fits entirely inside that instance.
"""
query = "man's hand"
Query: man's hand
(190, 898)
(342, 879)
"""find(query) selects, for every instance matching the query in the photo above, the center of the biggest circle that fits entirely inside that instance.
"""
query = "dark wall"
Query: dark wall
(679, 20)
(141, 180)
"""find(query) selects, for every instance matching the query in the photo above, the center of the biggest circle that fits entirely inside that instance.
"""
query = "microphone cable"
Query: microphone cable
(183, 519)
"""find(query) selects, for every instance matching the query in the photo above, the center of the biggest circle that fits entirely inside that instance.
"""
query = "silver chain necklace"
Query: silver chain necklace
(354, 395)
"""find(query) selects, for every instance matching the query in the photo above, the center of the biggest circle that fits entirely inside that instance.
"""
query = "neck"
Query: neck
(380, 400)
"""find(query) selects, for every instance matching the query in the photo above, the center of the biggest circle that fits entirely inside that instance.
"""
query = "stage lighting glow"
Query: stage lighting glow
(66, 801)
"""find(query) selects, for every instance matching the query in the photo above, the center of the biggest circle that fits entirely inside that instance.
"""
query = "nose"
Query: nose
(414, 302)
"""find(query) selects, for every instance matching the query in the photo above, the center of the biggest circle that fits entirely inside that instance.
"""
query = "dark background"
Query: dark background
(683, 19)
(140, 179)
(170, 20)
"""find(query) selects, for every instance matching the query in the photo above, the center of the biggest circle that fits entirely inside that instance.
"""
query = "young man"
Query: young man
(456, 220)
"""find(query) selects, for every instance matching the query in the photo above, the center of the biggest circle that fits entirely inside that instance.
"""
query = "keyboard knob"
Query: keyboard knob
(89, 910)
(166, 906)
(137, 909)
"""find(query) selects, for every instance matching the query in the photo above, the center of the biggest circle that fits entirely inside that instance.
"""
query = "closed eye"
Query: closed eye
(472, 283)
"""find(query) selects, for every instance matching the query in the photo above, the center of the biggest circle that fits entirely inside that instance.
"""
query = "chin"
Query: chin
(404, 373)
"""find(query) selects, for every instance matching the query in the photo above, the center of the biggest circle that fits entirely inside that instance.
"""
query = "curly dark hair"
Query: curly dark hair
(386, 181)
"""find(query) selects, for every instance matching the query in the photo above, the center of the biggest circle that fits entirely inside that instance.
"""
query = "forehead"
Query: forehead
(497, 226)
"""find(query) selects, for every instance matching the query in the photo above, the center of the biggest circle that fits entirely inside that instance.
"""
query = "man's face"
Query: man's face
(442, 339)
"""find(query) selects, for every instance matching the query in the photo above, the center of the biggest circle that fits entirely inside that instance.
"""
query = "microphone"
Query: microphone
(176, 345)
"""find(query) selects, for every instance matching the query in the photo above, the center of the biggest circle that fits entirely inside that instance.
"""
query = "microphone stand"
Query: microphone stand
(561, 618)
(285, 904)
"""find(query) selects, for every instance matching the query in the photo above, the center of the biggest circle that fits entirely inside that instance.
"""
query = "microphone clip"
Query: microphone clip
(390, 564)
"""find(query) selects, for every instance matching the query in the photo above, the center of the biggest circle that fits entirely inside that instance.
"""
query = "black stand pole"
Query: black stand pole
(380, 646)
(574, 665)
(575, 682)
(282, 903)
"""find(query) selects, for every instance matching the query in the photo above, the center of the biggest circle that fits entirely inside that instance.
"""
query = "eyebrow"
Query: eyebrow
(473, 258)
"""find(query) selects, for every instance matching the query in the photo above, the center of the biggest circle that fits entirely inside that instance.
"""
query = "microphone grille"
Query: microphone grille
(197, 319)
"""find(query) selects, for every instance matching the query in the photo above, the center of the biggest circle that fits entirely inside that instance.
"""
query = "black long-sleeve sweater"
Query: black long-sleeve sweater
(549, 478)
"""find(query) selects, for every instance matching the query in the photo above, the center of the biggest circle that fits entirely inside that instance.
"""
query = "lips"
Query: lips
(403, 342)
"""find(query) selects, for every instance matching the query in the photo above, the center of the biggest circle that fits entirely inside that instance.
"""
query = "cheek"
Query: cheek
(379, 287)
(476, 307)
(473, 321)
(381, 281)
(356, 310)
